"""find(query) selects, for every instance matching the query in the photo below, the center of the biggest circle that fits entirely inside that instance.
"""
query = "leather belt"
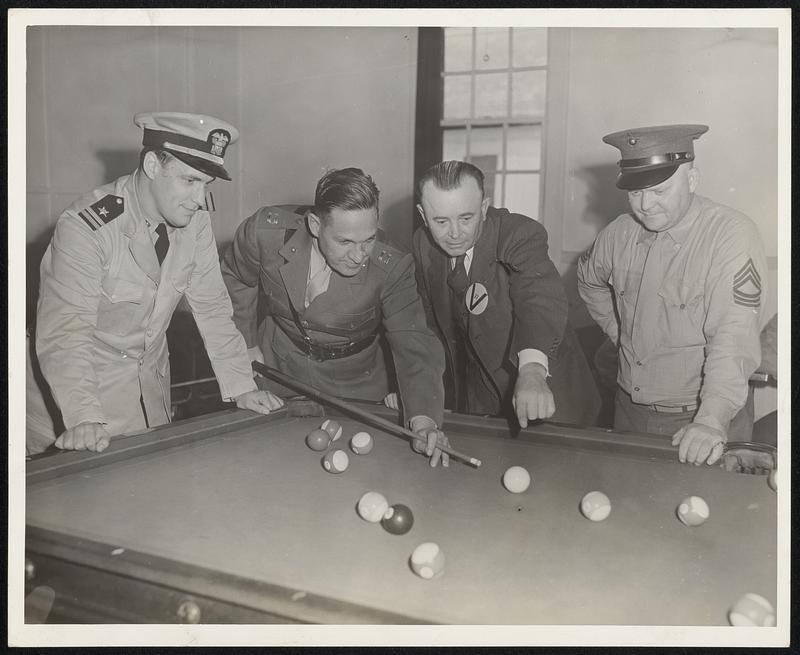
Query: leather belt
(674, 409)
(321, 353)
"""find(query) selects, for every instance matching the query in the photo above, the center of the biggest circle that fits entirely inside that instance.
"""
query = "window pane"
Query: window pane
(456, 96)
(491, 95)
(454, 145)
(491, 47)
(486, 144)
(530, 46)
(457, 48)
(528, 93)
(522, 194)
(524, 147)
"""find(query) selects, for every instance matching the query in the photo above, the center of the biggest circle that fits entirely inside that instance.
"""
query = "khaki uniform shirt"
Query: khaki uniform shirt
(705, 333)
(105, 304)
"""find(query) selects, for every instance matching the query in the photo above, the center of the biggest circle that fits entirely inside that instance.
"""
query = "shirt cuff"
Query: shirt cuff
(715, 413)
(533, 356)
(421, 421)
(230, 395)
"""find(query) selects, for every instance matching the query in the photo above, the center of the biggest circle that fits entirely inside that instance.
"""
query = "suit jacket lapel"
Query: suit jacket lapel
(297, 253)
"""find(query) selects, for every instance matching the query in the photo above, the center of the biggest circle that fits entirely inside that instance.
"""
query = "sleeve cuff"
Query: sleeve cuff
(231, 394)
(533, 356)
(715, 413)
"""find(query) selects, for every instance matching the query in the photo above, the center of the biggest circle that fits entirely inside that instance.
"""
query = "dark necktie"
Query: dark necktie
(457, 278)
(162, 243)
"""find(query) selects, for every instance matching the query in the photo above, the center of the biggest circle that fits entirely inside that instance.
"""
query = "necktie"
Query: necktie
(317, 284)
(457, 277)
(162, 243)
(648, 302)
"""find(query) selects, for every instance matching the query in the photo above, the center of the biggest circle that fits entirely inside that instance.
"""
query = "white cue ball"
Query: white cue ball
(372, 506)
(752, 610)
(772, 480)
(596, 506)
(335, 461)
(332, 428)
(361, 443)
(427, 560)
(693, 511)
(516, 479)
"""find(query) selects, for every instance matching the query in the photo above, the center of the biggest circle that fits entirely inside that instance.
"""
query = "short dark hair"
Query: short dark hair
(448, 175)
(345, 188)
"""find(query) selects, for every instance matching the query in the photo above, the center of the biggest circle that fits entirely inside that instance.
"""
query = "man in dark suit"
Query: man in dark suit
(498, 304)
(311, 293)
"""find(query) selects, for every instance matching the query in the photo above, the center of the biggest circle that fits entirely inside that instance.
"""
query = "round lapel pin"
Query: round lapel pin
(476, 298)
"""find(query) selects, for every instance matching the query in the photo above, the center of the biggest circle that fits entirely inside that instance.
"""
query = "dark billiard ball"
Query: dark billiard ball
(332, 428)
(318, 440)
(335, 461)
(398, 519)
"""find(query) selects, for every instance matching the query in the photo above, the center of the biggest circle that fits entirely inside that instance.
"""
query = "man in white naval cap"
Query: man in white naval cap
(120, 260)
(677, 286)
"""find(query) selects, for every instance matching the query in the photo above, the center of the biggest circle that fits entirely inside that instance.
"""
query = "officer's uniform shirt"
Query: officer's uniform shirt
(105, 305)
(703, 340)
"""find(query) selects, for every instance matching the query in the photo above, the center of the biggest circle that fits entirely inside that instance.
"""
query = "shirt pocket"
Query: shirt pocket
(120, 308)
(683, 314)
(182, 278)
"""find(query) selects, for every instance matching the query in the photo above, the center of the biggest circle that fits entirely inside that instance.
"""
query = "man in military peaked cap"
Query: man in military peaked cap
(312, 291)
(119, 261)
(677, 285)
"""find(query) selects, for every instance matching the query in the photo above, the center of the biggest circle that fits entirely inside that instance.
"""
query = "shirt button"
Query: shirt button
(636, 389)
(638, 363)
(149, 333)
(683, 306)
(305, 323)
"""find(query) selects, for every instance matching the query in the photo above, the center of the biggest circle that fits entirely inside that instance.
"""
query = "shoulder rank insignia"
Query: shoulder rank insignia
(747, 286)
(278, 217)
(384, 257)
(103, 211)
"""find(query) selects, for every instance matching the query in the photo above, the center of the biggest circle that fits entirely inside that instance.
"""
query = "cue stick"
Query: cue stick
(363, 414)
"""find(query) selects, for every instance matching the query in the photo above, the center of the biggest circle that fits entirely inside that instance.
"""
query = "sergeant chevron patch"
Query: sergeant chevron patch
(747, 286)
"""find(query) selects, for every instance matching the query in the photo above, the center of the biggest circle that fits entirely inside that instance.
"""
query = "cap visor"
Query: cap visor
(202, 165)
(630, 180)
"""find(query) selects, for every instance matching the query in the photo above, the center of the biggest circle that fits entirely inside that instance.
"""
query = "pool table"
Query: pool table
(231, 518)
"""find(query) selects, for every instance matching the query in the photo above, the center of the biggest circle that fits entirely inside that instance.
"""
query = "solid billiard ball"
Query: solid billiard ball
(427, 560)
(372, 506)
(335, 461)
(318, 440)
(772, 480)
(596, 506)
(693, 510)
(361, 443)
(332, 428)
(752, 610)
(516, 479)
(398, 519)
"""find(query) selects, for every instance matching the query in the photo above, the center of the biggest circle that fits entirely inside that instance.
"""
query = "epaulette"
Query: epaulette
(279, 218)
(102, 212)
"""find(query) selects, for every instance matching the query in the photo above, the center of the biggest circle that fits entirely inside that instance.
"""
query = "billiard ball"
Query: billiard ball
(318, 440)
(693, 511)
(372, 506)
(752, 610)
(596, 506)
(335, 461)
(516, 479)
(427, 560)
(361, 443)
(332, 428)
(772, 480)
(398, 519)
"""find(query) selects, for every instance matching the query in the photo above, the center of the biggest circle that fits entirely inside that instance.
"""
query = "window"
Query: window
(492, 112)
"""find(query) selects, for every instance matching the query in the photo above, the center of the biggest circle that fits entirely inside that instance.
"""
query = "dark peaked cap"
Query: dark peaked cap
(651, 155)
